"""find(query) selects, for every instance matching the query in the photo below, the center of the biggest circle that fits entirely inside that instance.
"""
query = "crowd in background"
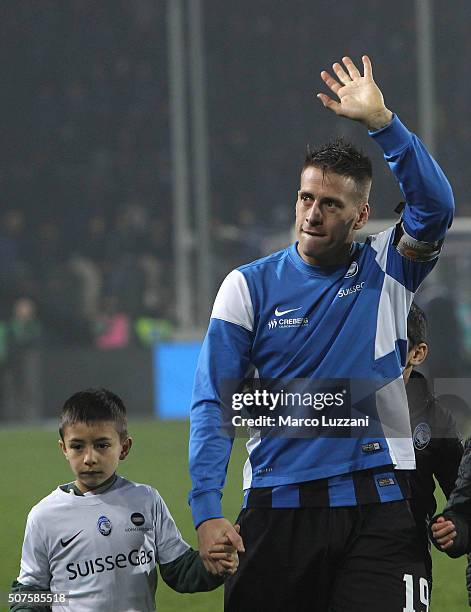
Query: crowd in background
(85, 186)
(86, 247)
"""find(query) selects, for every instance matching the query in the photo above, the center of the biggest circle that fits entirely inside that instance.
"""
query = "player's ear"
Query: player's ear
(125, 448)
(363, 215)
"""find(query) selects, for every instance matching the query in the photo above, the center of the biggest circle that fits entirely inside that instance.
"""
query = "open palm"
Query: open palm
(359, 96)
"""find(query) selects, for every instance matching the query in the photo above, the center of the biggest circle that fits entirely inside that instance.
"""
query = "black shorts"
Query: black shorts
(357, 559)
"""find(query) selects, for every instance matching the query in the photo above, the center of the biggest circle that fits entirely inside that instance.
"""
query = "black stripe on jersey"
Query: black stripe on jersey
(314, 494)
(260, 498)
(365, 488)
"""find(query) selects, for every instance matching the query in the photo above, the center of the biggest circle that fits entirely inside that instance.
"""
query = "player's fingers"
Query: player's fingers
(218, 566)
(235, 539)
(221, 556)
(225, 538)
(328, 102)
(447, 545)
(210, 566)
(230, 566)
(367, 67)
(330, 81)
(353, 71)
(222, 548)
(447, 538)
(442, 526)
(342, 76)
(445, 528)
(443, 533)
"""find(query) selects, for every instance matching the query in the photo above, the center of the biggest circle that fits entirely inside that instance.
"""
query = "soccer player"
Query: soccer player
(437, 444)
(101, 537)
(325, 522)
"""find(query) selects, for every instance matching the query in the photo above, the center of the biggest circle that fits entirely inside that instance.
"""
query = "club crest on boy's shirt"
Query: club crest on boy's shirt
(104, 525)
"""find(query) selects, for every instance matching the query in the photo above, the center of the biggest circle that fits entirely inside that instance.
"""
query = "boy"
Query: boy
(437, 444)
(101, 537)
(451, 530)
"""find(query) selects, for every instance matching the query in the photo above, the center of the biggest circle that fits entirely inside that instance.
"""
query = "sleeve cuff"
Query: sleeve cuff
(392, 138)
(206, 506)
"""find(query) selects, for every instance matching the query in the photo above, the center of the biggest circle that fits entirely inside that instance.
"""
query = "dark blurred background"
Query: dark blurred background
(89, 239)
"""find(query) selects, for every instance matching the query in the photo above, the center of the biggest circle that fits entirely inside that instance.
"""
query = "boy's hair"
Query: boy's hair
(416, 325)
(342, 158)
(94, 405)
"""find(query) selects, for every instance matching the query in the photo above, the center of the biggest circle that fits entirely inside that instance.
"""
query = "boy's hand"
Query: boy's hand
(224, 552)
(444, 532)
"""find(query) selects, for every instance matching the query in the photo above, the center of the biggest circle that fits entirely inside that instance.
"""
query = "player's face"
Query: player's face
(93, 452)
(328, 212)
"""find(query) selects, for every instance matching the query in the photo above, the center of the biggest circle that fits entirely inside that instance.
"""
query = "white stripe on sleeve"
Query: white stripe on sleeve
(233, 302)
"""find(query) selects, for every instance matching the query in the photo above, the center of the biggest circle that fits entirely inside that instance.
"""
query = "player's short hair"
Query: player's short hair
(91, 406)
(342, 158)
(416, 325)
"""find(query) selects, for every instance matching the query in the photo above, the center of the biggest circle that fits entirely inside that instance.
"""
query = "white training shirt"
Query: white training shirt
(101, 548)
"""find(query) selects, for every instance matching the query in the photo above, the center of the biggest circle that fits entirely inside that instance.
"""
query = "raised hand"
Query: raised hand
(359, 97)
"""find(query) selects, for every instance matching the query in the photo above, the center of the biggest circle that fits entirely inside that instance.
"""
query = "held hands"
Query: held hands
(359, 96)
(226, 554)
(444, 532)
(219, 542)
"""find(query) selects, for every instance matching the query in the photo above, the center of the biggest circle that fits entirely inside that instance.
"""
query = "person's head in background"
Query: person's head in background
(417, 347)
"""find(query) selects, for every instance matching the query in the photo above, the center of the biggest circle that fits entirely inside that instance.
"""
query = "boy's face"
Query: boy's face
(93, 452)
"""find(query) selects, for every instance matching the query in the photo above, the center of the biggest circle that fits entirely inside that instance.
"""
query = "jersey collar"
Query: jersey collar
(71, 487)
(303, 266)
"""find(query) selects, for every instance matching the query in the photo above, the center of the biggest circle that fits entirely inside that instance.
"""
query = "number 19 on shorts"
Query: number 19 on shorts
(423, 593)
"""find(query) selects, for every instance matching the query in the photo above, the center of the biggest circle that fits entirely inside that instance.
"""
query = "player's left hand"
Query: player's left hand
(226, 554)
(359, 96)
(444, 532)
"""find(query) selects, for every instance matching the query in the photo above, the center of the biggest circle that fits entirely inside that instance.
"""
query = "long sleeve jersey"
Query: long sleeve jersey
(104, 549)
(289, 320)
(437, 444)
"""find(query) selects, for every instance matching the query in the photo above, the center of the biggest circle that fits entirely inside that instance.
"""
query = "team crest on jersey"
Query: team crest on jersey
(352, 270)
(422, 436)
(104, 525)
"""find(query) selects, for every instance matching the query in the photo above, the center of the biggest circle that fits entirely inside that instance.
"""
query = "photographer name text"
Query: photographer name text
(289, 421)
